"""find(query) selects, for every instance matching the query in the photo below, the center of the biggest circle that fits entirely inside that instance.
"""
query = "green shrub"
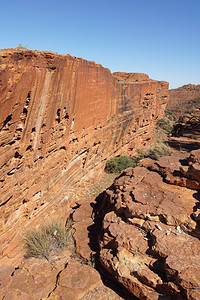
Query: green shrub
(164, 125)
(170, 115)
(49, 239)
(120, 163)
(140, 154)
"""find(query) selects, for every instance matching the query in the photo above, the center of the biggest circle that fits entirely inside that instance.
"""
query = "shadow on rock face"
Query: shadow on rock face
(197, 195)
(99, 208)
(181, 145)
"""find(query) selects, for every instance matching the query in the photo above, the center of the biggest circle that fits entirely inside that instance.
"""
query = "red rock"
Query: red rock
(195, 156)
(5, 273)
(61, 118)
(123, 267)
(76, 281)
(33, 279)
(83, 219)
(102, 292)
(131, 77)
(148, 241)
(59, 278)
(179, 170)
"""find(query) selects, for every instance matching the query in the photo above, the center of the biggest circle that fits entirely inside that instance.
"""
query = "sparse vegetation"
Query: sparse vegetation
(155, 151)
(120, 163)
(164, 125)
(49, 239)
(160, 147)
(191, 109)
(169, 114)
(21, 47)
(99, 186)
(158, 150)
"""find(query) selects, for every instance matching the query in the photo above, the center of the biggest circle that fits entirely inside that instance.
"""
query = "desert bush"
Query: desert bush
(21, 47)
(191, 109)
(97, 187)
(120, 163)
(169, 114)
(140, 154)
(160, 146)
(164, 125)
(49, 239)
(158, 150)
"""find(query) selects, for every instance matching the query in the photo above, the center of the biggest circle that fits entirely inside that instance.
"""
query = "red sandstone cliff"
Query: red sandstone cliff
(61, 118)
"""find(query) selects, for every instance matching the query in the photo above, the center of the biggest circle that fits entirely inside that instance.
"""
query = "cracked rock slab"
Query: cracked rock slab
(76, 281)
(149, 235)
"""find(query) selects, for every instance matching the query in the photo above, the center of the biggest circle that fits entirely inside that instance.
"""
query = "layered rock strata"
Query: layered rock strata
(150, 233)
(61, 118)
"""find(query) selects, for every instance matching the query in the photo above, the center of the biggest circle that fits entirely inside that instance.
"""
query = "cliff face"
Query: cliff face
(61, 118)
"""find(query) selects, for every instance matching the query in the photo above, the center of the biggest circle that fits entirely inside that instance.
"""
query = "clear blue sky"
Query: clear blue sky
(157, 37)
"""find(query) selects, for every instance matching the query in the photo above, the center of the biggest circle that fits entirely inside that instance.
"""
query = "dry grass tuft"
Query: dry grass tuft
(158, 150)
(160, 147)
(48, 240)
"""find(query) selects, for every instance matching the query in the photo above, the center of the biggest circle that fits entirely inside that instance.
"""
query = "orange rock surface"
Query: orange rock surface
(61, 118)
(150, 238)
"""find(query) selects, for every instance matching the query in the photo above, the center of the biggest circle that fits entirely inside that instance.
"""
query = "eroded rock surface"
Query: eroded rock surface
(142, 236)
(150, 233)
(69, 276)
(60, 278)
(61, 118)
(188, 126)
(184, 100)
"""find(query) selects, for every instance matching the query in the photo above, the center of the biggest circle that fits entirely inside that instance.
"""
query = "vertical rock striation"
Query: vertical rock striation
(61, 118)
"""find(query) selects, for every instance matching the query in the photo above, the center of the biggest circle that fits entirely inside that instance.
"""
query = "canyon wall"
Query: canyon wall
(61, 118)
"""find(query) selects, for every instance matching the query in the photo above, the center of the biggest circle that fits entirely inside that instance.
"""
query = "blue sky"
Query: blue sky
(157, 37)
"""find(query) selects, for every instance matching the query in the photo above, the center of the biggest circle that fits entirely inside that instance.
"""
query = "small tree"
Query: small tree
(21, 47)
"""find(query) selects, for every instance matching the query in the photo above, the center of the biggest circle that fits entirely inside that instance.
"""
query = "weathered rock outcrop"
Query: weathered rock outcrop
(148, 240)
(150, 236)
(61, 278)
(61, 118)
(185, 99)
(188, 126)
